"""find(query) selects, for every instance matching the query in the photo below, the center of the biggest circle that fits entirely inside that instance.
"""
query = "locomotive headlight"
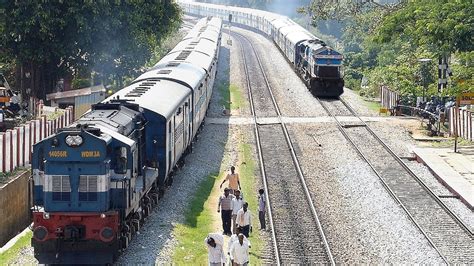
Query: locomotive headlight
(40, 233)
(46, 215)
(107, 234)
(73, 140)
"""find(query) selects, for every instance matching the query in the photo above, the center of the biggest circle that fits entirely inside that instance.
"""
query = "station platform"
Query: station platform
(454, 170)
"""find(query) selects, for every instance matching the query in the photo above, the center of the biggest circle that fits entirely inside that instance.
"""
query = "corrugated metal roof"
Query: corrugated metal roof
(75, 93)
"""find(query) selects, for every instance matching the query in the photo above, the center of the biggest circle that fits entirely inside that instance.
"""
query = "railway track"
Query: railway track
(448, 235)
(297, 234)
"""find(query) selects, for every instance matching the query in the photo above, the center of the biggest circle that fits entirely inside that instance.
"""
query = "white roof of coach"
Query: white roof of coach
(282, 22)
(162, 98)
(196, 58)
(184, 72)
(216, 22)
(295, 37)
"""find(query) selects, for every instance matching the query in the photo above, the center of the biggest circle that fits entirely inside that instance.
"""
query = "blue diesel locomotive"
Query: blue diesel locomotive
(318, 65)
(96, 181)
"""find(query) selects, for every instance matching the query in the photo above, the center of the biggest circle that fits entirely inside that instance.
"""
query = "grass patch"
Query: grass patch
(449, 143)
(12, 253)
(374, 106)
(231, 96)
(198, 223)
(250, 192)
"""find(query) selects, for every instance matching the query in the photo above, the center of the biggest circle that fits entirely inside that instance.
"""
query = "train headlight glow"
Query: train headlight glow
(46, 215)
(73, 140)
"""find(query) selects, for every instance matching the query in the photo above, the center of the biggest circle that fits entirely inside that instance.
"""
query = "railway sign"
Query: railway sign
(466, 98)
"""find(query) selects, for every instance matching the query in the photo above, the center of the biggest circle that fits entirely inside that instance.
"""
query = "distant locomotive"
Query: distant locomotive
(319, 65)
(95, 181)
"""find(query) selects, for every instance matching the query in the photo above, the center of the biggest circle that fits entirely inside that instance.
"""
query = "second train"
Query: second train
(318, 65)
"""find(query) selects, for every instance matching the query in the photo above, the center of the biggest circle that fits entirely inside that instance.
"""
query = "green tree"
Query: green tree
(442, 27)
(56, 38)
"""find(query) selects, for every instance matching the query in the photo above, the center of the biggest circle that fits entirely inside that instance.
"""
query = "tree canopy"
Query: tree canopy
(51, 39)
(384, 40)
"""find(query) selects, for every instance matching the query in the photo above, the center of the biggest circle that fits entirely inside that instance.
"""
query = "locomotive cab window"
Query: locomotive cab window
(121, 160)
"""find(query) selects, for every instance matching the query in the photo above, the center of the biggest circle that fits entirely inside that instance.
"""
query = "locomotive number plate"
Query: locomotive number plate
(58, 154)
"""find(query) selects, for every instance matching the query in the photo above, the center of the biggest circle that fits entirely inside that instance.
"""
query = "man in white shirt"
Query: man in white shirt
(237, 203)
(240, 252)
(261, 208)
(244, 219)
(235, 239)
(214, 243)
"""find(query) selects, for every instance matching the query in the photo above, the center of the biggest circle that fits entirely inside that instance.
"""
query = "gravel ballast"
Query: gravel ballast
(156, 240)
(362, 222)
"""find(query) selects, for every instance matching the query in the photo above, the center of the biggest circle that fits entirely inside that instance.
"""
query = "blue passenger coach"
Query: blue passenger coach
(96, 181)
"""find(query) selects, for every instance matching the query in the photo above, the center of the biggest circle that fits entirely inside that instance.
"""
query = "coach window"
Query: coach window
(121, 160)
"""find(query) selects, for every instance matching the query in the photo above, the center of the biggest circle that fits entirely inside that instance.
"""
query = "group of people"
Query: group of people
(235, 215)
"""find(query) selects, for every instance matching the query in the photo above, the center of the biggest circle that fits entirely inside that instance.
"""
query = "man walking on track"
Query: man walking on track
(233, 178)
(239, 252)
(214, 243)
(237, 203)
(243, 219)
(233, 240)
(225, 207)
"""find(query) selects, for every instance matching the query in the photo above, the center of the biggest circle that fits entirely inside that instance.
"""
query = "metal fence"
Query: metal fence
(388, 98)
(460, 123)
(16, 144)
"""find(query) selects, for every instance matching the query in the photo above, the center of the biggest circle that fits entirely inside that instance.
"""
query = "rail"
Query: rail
(291, 148)
(260, 158)
(392, 193)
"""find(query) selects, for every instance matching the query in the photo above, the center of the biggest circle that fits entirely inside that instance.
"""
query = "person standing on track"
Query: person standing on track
(225, 207)
(233, 178)
(237, 203)
(214, 243)
(261, 208)
(244, 219)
